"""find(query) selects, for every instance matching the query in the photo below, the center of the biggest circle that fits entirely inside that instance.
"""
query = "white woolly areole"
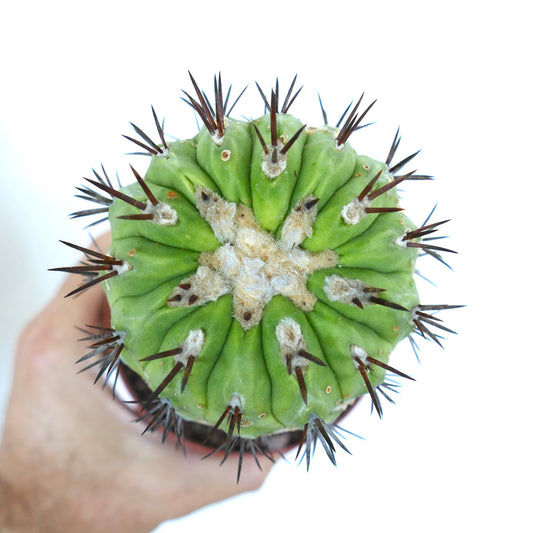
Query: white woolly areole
(191, 346)
(355, 211)
(122, 268)
(357, 351)
(401, 241)
(414, 313)
(217, 138)
(204, 286)
(339, 289)
(299, 224)
(250, 264)
(235, 401)
(219, 213)
(163, 154)
(273, 169)
(291, 341)
(162, 213)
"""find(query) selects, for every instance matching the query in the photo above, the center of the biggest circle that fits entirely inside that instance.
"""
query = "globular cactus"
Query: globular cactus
(259, 276)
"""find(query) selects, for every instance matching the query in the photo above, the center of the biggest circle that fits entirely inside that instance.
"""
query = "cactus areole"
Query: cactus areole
(259, 276)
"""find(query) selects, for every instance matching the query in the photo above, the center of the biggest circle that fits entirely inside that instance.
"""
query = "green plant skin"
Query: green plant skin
(271, 197)
(232, 175)
(180, 171)
(329, 229)
(325, 167)
(247, 362)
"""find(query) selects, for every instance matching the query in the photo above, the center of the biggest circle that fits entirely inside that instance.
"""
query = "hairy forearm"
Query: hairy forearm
(50, 509)
(25, 509)
(34, 498)
(18, 512)
(34, 502)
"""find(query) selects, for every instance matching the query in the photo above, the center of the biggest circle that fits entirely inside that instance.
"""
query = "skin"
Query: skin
(72, 460)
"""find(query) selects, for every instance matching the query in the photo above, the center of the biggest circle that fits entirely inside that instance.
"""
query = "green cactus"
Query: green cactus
(259, 276)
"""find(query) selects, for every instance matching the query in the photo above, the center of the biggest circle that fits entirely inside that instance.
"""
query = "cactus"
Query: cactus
(259, 277)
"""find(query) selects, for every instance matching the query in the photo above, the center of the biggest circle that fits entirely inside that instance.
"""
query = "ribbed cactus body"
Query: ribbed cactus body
(259, 275)
(297, 286)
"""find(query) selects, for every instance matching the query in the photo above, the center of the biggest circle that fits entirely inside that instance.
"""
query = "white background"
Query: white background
(454, 454)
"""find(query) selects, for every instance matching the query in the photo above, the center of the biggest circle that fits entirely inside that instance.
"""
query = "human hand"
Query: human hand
(71, 459)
